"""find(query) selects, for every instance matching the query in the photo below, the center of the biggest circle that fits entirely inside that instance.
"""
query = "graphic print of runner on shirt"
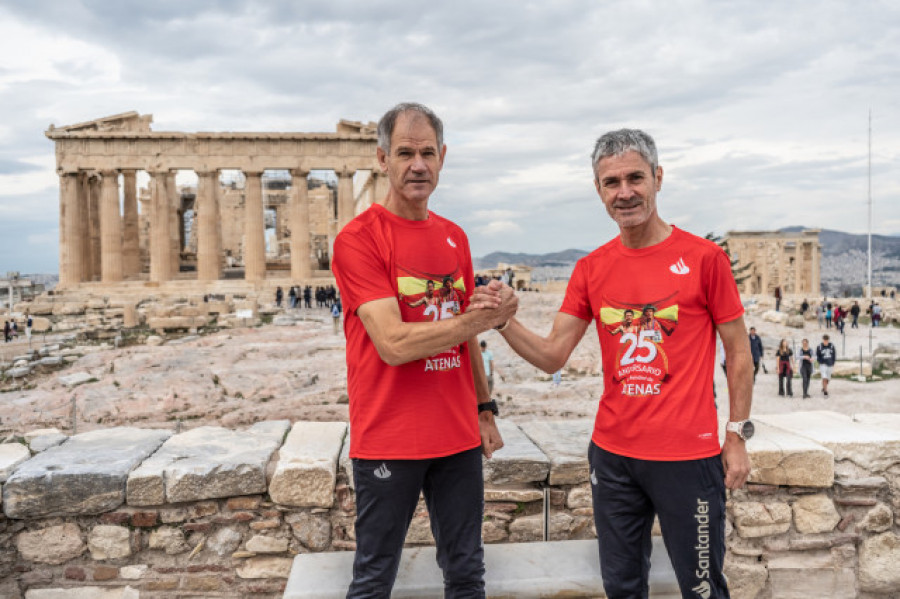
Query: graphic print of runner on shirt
(641, 364)
(419, 289)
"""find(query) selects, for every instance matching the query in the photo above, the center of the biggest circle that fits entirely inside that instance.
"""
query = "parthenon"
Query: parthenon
(789, 260)
(103, 234)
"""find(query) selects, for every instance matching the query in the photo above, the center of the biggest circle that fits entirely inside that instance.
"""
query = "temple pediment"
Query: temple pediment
(126, 121)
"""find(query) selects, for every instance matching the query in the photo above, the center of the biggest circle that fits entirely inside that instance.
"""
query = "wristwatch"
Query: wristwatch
(743, 428)
(489, 406)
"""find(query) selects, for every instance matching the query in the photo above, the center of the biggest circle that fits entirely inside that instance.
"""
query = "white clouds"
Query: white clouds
(759, 109)
(32, 54)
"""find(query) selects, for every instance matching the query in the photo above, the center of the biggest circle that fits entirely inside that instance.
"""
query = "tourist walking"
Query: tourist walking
(756, 351)
(785, 361)
(6, 331)
(806, 366)
(839, 319)
(825, 356)
(279, 296)
(778, 299)
(28, 324)
(488, 358)
(820, 314)
(876, 315)
(854, 315)
(829, 314)
(336, 317)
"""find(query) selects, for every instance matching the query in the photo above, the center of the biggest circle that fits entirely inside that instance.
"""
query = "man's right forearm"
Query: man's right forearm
(399, 342)
(547, 353)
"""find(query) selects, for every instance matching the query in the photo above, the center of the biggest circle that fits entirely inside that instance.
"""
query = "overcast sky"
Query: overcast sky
(759, 109)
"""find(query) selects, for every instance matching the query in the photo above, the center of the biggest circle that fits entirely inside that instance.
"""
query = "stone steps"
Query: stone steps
(513, 570)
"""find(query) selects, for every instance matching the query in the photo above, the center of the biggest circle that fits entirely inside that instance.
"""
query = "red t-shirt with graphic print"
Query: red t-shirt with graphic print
(426, 408)
(657, 401)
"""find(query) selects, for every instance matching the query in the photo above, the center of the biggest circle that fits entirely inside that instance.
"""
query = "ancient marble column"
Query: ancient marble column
(346, 210)
(94, 225)
(84, 224)
(800, 268)
(176, 225)
(110, 228)
(160, 228)
(70, 247)
(382, 186)
(301, 250)
(208, 232)
(254, 228)
(131, 253)
(816, 274)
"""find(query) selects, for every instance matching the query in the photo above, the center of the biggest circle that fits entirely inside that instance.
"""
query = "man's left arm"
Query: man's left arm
(490, 436)
(740, 395)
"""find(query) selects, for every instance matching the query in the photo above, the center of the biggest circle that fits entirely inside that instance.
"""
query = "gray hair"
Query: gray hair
(387, 122)
(616, 143)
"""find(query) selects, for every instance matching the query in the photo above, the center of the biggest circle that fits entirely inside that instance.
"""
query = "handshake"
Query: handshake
(493, 305)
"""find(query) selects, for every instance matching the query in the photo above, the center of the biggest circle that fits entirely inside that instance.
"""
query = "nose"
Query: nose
(625, 191)
(418, 163)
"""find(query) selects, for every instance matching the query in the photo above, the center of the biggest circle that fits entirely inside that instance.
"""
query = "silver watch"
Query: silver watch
(743, 428)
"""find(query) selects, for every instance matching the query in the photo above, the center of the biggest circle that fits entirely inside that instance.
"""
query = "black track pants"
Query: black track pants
(688, 496)
(386, 495)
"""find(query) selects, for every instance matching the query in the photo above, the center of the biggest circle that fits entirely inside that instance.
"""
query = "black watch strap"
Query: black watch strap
(489, 405)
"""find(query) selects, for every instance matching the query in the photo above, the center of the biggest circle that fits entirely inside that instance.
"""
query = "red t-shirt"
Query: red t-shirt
(426, 408)
(657, 401)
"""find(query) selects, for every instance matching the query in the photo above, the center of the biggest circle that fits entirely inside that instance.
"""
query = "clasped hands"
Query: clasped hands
(497, 301)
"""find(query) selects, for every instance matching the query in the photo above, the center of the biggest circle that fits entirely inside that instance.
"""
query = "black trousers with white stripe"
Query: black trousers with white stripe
(387, 492)
(689, 498)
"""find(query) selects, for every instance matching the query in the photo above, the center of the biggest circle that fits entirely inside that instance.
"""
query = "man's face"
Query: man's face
(415, 161)
(752, 331)
(429, 288)
(629, 317)
(628, 187)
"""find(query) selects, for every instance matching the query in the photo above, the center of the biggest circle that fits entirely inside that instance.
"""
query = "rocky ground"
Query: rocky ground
(240, 376)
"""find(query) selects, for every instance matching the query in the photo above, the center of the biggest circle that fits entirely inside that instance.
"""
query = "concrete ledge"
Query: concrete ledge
(513, 571)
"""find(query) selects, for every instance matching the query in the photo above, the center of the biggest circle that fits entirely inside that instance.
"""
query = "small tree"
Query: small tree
(740, 272)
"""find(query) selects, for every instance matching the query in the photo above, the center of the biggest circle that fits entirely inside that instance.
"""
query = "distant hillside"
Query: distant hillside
(563, 258)
(836, 242)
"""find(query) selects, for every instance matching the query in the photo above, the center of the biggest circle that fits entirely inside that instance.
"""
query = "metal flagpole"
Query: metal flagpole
(870, 207)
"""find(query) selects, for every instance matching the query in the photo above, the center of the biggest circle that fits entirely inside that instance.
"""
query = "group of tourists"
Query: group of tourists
(298, 296)
(825, 357)
(11, 329)
(831, 314)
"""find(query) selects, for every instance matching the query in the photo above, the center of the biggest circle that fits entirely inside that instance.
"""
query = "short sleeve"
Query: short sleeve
(577, 301)
(362, 272)
(722, 295)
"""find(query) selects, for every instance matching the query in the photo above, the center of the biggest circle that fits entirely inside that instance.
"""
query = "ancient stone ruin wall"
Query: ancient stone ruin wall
(212, 512)
(791, 261)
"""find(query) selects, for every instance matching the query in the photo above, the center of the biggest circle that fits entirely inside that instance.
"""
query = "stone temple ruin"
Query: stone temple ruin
(788, 260)
(246, 183)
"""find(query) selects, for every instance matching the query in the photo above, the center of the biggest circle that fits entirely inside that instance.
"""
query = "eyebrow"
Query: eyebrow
(404, 148)
(611, 178)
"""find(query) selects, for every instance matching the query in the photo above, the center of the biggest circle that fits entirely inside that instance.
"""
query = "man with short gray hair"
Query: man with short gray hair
(655, 446)
(420, 410)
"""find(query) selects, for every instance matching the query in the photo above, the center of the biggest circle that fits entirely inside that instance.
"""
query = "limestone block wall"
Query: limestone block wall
(213, 512)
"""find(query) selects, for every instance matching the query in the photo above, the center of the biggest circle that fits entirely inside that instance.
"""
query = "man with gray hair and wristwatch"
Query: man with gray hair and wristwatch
(655, 445)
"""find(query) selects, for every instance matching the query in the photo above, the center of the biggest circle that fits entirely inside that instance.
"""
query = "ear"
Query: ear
(382, 159)
(443, 154)
(659, 177)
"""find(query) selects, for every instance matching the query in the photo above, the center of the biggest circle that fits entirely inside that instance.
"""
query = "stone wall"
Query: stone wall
(212, 512)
